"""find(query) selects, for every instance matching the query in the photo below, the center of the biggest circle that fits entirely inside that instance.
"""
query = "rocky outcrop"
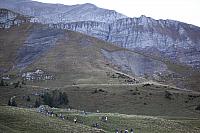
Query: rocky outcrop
(92, 28)
(136, 64)
(9, 18)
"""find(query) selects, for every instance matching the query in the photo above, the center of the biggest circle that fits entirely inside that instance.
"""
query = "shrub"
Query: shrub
(17, 84)
(168, 95)
(101, 90)
(198, 107)
(95, 91)
(147, 84)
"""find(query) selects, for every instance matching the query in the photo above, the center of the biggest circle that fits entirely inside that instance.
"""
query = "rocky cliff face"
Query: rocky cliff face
(170, 39)
(56, 13)
(9, 18)
(136, 64)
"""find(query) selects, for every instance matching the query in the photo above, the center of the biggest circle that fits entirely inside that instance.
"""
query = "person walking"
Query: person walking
(126, 131)
(131, 130)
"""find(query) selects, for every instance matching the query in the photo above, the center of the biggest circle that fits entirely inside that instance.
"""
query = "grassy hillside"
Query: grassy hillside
(18, 120)
(144, 124)
(76, 59)
(13, 120)
(139, 99)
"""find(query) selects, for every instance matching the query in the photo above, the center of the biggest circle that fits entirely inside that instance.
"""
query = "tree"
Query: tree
(37, 103)
(55, 98)
(64, 98)
(28, 99)
(2, 83)
(48, 100)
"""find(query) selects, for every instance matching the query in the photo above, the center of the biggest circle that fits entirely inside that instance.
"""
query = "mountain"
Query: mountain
(160, 40)
(56, 13)
(165, 39)
(44, 47)
(96, 76)
(32, 45)
(120, 80)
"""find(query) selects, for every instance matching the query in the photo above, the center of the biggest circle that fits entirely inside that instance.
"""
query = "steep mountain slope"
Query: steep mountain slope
(55, 13)
(166, 39)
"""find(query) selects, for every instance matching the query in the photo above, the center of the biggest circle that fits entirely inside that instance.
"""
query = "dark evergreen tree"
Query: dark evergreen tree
(65, 100)
(48, 100)
(28, 99)
(2, 83)
(37, 103)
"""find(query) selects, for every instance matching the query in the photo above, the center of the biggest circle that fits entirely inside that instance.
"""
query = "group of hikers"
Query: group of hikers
(105, 119)
(51, 113)
(48, 112)
(44, 109)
